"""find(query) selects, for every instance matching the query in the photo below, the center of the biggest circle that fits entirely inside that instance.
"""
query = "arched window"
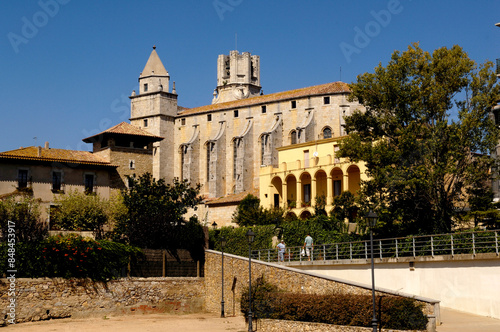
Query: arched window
(327, 132)
(293, 136)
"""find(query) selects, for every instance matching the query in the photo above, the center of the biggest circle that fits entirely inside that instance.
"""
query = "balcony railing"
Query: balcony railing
(470, 243)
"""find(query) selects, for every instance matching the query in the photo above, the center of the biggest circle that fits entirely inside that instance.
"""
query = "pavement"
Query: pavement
(458, 321)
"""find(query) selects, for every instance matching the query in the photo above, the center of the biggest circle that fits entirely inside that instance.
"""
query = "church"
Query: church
(229, 146)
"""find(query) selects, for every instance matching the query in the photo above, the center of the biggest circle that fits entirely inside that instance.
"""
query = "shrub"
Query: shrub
(338, 309)
(70, 256)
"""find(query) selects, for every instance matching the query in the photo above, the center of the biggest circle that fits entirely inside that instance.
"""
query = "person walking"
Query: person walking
(308, 246)
(281, 251)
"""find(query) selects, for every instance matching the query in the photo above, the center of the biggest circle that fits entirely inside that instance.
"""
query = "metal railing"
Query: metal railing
(414, 246)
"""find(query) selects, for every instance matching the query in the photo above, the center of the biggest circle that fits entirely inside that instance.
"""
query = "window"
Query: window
(89, 183)
(56, 181)
(131, 164)
(336, 187)
(145, 122)
(236, 113)
(209, 149)
(306, 158)
(294, 104)
(327, 133)
(263, 109)
(326, 100)
(145, 87)
(209, 117)
(262, 149)
(22, 178)
(235, 157)
(183, 121)
(307, 193)
(293, 136)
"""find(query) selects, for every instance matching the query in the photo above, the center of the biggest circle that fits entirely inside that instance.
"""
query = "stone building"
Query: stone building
(224, 145)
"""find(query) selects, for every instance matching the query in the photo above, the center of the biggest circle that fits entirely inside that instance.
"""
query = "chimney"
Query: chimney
(39, 151)
(46, 145)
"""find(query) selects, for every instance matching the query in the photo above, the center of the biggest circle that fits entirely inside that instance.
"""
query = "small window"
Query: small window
(293, 136)
(327, 133)
(236, 113)
(131, 164)
(294, 104)
(56, 181)
(209, 117)
(145, 87)
(263, 109)
(89, 183)
(183, 121)
(145, 122)
(326, 100)
(22, 178)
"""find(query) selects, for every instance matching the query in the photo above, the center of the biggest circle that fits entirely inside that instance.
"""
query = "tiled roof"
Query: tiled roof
(55, 155)
(323, 89)
(233, 198)
(125, 128)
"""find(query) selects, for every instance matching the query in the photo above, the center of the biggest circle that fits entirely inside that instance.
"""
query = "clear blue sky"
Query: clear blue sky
(67, 70)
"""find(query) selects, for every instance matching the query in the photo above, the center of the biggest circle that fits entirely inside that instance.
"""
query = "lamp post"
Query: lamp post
(214, 225)
(250, 236)
(222, 244)
(371, 218)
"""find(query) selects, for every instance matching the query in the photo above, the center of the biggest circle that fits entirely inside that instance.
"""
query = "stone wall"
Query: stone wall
(272, 325)
(286, 278)
(44, 298)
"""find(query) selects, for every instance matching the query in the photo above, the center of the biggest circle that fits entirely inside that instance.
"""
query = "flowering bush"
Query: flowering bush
(72, 256)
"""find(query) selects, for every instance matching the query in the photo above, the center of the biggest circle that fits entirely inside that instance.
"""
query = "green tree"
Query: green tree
(24, 212)
(156, 212)
(77, 211)
(419, 159)
(249, 212)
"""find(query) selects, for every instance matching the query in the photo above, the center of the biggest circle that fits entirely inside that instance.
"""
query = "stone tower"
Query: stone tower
(238, 77)
(154, 110)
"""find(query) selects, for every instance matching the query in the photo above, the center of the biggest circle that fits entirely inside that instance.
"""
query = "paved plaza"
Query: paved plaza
(453, 320)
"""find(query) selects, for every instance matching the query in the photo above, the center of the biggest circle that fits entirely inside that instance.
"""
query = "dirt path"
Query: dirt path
(206, 322)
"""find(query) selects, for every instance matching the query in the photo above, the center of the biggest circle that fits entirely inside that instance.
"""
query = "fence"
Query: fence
(161, 263)
(427, 245)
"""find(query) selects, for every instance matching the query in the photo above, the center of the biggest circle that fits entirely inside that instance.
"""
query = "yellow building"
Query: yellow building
(306, 171)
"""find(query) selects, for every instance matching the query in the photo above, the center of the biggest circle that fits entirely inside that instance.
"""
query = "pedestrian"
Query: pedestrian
(308, 246)
(281, 251)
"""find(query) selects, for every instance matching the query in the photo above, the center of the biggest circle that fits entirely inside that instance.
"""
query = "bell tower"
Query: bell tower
(154, 110)
(238, 77)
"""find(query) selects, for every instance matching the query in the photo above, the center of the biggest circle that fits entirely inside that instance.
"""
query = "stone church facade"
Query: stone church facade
(224, 145)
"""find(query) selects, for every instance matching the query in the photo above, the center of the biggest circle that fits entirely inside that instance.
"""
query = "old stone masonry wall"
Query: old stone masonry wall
(44, 298)
(286, 278)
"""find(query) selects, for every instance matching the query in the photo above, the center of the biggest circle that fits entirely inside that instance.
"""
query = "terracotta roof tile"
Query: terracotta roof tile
(323, 89)
(58, 155)
(233, 198)
(125, 129)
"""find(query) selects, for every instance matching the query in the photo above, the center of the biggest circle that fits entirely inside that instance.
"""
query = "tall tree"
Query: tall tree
(156, 212)
(419, 158)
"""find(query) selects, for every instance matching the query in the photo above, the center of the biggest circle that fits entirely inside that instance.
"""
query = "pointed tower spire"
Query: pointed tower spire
(152, 72)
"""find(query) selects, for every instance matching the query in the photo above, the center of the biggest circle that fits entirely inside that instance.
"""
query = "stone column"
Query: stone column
(299, 193)
(329, 190)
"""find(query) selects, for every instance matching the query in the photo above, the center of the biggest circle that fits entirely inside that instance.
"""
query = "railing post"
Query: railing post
(366, 250)
(337, 251)
(432, 246)
(350, 250)
(259, 254)
(452, 249)
(269, 256)
(496, 243)
(413, 240)
(397, 253)
(300, 254)
(380, 248)
(324, 253)
(473, 244)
